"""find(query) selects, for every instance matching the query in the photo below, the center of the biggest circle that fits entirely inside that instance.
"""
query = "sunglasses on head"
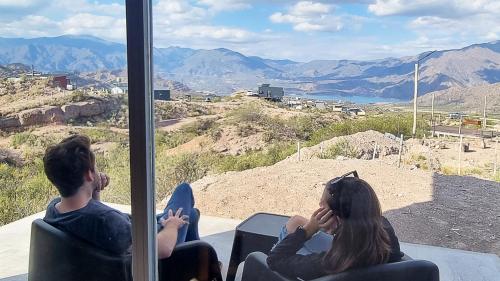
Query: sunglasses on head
(336, 180)
(341, 210)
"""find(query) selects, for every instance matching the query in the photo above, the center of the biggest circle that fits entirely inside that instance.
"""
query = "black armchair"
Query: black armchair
(256, 269)
(56, 255)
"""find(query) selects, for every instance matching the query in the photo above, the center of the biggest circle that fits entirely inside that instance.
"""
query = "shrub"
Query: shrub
(116, 164)
(21, 138)
(23, 191)
(32, 140)
(295, 128)
(390, 123)
(254, 158)
(248, 113)
(103, 135)
(340, 148)
(198, 127)
(172, 139)
(215, 133)
(245, 130)
(78, 95)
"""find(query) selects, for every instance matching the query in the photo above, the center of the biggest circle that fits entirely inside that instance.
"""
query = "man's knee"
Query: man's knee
(184, 187)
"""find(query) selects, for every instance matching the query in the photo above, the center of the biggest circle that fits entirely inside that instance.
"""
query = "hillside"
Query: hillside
(240, 154)
(224, 70)
(470, 100)
(445, 211)
(13, 69)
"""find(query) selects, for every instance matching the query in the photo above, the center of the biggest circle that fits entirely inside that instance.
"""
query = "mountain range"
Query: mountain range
(223, 70)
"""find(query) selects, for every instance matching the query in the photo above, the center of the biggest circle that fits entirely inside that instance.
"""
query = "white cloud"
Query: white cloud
(34, 26)
(472, 28)
(444, 24)
(19, 3)
(226, 5)
(171, 13)
(83, 6)
(100, 26)
(15, 9)
(309, 16)
(310, 8)
(30, 26)
(177, 22)
(218, 33)
(441, 8)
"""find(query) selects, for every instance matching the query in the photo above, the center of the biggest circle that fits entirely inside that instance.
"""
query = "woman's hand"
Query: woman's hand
(321, 218)
(331, 225)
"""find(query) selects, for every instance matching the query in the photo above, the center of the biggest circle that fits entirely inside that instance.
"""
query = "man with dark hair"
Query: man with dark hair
(70, 166)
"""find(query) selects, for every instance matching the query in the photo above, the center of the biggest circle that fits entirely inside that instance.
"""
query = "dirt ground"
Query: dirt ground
(424, 207)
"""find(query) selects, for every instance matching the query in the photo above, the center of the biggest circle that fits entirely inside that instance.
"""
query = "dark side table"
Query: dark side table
(258, 233)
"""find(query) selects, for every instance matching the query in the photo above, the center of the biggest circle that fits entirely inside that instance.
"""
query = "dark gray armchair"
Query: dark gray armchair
(55, 255)
(256, 269)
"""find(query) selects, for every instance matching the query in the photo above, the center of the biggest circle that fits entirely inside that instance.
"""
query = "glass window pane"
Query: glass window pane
(64, 137)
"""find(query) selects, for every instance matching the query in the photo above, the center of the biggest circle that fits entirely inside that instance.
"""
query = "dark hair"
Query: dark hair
(360, 239)
(66, 163)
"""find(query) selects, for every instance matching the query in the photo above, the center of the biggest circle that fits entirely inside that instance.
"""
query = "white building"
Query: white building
(116, 90)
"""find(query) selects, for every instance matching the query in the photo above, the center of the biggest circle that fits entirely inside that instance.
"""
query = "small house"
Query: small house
(320, 105)
(356, 111)
(337, 108)
(271, 93)
(116, 90)
(61, 81)
(162, 95)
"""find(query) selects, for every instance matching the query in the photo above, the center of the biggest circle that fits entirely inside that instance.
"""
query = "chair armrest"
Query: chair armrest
(256, 269)
(405, 257)
(191, 260)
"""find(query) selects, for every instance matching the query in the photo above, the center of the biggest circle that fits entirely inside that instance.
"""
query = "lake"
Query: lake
(353, 99)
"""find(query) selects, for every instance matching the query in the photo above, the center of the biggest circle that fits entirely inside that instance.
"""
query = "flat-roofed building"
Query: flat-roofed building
(272, 93)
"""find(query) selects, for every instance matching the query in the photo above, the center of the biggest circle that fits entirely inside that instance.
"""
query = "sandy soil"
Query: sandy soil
(424, 207)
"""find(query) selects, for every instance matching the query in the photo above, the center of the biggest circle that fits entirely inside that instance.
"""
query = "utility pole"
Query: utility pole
(432, 107)
(495, 165)
(415, 94)
(432, 115)
(461, 147)
(484, 114)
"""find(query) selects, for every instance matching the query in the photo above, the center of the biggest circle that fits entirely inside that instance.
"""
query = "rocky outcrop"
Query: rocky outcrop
(54, 114)
(9, 122)
(35, 116)
(87, 109)
(10, 157)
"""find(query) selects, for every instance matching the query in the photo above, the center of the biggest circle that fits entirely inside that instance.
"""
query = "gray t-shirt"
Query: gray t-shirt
(96, 223)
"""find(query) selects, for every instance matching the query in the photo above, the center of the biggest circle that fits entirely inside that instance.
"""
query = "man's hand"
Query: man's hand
(176, 221)
(321, 218)
(101, 181)
(167, 237)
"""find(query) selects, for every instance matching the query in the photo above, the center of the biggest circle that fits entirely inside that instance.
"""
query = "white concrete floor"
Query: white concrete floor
(454, 265)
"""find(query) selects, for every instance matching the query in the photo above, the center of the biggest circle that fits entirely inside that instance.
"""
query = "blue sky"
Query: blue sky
(278, 29)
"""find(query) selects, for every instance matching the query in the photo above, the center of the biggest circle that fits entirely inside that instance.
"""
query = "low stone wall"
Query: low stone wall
(51, 114)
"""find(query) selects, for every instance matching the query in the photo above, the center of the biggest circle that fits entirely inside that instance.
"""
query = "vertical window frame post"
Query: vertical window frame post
(141, 135)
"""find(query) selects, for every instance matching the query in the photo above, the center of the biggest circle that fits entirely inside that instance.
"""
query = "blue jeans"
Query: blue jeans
(319, 242)
(182, 198)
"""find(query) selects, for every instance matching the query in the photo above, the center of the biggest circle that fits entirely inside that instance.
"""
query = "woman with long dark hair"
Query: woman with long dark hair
(347, 232)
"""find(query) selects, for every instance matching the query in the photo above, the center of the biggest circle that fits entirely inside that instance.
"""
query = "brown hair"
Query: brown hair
(360, 239)
(66, 163)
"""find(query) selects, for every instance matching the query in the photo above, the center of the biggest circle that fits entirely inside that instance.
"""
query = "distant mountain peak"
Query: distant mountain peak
(222, 69)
